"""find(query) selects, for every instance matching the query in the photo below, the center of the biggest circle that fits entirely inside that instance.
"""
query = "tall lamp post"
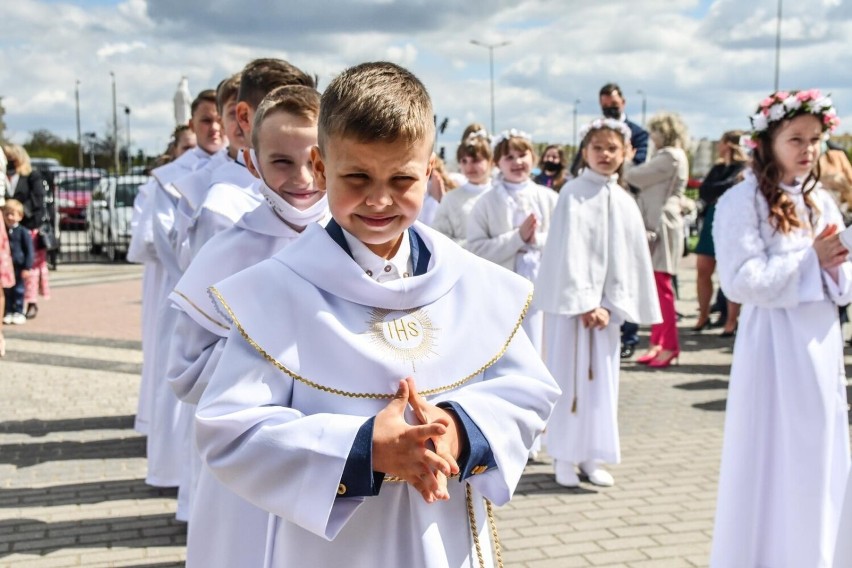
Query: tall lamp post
(574, 145)
(491, 47)
(114, 125)
(79, 136)
(129, 154)
(778, 47)
(644, 104)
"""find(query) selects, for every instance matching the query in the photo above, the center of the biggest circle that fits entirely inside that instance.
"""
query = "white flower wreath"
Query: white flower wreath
(610, 123)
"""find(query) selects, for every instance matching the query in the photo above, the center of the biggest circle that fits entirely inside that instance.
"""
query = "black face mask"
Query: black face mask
(10, 169)
(552, 167)
(611, 112)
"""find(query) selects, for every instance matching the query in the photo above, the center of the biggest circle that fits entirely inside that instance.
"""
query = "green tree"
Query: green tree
(45, 144)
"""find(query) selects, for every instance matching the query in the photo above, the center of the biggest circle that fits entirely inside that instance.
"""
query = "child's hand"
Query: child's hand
(829, 249)
(25, 273)
(401, 449)
(527, 229)
(597, 318)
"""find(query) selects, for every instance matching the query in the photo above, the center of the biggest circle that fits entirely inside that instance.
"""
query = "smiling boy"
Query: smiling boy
(313, 412)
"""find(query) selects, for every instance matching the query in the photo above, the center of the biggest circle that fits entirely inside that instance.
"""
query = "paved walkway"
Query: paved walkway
(72, 469)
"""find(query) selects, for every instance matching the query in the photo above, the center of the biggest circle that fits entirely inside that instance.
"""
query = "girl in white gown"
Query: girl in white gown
(785, 457)
(595, 273)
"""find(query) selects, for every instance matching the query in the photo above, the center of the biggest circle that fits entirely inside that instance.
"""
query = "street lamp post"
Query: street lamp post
(574, 147)
(79, 136)
(92, 138)
(491, 47)
(129, 154)
(644, 104)
(778, 48)
(114, 125)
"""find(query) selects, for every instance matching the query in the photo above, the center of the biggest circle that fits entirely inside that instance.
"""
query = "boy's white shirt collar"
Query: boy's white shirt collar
(376, 267)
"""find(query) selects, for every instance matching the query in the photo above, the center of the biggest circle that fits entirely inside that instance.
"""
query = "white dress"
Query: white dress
(843, 554)
(141, 250)
(596, 256)
(493, 233)
(451, 216)
(785, 457)
(280, 414)
(219, 516)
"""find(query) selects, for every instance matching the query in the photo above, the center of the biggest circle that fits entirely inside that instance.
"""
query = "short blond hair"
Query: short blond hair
(297, 100)
(14, 205)
(671, 129)
(376, 102)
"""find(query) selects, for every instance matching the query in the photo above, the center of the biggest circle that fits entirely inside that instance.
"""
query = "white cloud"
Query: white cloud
(712, 67)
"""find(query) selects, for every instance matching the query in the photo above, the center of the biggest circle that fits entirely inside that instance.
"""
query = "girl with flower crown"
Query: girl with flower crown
(509, 224)
(474, 159)
(785, 457)
(595, 273)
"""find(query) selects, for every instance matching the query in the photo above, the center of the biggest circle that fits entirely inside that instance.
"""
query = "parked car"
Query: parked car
(109, 214)
(73, 194)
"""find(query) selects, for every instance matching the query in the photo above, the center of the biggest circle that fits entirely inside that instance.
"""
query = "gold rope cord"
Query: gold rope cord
(349, 394)
(473, 529)
(202, 312)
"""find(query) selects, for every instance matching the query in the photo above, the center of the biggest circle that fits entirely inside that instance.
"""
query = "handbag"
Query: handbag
(47, 237)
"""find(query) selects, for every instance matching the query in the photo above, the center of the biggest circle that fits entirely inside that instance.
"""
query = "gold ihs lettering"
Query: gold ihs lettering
(412, 329)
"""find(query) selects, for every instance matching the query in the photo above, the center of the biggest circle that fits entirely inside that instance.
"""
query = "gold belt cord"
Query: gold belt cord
(473, 530)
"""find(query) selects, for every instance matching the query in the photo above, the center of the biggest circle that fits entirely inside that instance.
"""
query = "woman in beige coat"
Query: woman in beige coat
(661, 181)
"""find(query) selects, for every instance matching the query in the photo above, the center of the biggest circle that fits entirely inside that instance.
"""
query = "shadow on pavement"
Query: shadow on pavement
(38, 428)
(708, 384)
(30, 536)
(26, 455)
(713, 405)
(544, 484)
(82, 493)
(73, 362)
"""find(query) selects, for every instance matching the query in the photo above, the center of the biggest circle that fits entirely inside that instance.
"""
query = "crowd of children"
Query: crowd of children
(342, 348)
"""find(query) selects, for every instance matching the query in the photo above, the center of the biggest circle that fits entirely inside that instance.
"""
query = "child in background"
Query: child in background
(785, 456)
(439, 185)
(23, 254)
(474, 158)
(226, 529)
(595, 273)
(307, 413)
(509, 224)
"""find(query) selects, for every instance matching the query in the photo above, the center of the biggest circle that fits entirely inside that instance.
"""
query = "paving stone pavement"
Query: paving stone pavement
(72, 469)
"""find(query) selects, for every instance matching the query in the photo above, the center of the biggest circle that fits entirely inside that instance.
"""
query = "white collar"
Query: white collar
(476, 188)
(376, 267)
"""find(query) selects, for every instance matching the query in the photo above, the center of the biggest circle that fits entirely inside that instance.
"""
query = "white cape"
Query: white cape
(295, 397)
(785, 457)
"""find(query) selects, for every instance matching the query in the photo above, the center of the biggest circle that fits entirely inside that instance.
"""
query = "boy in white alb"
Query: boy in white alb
(141, 250)
(234, 191)
(284, 133)
(193, 187)
(167, 441)
(305, 414)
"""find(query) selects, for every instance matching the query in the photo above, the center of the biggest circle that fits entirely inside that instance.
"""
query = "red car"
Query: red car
(73, 194)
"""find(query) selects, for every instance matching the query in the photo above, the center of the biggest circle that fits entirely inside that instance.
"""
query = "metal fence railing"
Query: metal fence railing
(91, 212)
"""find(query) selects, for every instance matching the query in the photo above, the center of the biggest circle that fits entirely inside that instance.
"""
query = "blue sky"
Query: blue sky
(709, 60)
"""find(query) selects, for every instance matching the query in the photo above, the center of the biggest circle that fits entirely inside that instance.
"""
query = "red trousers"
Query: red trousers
(665, 334)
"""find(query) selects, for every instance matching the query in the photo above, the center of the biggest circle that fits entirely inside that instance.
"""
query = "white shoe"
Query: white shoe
(19, 319)
(7, 319)
(566, 475)
(597, 475)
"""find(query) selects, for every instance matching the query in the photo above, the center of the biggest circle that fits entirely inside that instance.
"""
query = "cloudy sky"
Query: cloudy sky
(710, 60)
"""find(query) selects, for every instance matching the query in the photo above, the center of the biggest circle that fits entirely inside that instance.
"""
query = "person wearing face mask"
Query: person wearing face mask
(552, 166)
(283, 134)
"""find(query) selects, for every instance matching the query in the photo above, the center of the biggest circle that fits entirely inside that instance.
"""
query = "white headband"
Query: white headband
(610, 123)
(511, 133)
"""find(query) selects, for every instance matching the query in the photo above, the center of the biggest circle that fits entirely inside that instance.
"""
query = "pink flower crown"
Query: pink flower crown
(784, 105)
(610, 123)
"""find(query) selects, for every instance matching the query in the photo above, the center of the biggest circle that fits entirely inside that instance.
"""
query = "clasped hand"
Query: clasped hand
(424, 454)
(597, 318)
(829, 249)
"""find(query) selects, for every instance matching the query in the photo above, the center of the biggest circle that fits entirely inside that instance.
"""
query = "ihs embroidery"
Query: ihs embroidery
(407, 335)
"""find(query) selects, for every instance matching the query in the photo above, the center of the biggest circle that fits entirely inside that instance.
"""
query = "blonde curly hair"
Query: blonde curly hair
(670, 128)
